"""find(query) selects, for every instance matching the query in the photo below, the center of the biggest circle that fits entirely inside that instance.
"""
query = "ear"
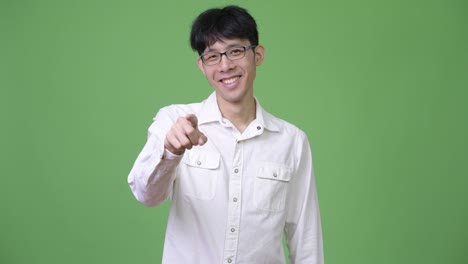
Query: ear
(200, 65)
(259, 55)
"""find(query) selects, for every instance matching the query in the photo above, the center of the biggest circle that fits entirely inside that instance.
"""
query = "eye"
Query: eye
(236, 51)
(211, 57)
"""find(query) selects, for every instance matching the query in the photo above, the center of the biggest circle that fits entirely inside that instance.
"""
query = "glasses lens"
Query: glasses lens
(211, 58)
(236, 53)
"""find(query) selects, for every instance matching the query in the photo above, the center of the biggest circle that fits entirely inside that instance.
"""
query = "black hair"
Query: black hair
(217, 23)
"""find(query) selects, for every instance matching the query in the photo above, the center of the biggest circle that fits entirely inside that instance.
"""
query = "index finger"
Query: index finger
(192, 119)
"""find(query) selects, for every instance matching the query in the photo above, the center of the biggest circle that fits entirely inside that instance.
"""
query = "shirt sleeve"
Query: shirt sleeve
(303, 228)
(153, 172)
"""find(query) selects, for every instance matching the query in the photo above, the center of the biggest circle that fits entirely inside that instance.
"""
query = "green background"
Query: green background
(380, 87)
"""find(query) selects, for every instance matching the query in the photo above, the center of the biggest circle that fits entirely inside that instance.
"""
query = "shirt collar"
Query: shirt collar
(265, 119)
(210, 113)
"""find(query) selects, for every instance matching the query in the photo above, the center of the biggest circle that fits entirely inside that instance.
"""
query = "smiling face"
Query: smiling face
(233, 80)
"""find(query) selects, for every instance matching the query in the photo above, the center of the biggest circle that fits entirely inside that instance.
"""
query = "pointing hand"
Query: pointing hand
(184, 134)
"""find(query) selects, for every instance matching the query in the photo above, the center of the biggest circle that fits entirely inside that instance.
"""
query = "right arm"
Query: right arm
(153, 173)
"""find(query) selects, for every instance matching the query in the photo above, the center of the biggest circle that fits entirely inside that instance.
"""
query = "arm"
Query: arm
(303, 228)
(153, 173)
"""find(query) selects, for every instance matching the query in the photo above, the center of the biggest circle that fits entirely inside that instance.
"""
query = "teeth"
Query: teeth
(228, 81)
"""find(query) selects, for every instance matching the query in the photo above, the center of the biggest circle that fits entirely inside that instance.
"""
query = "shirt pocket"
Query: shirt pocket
(271, 185)
(199, 176)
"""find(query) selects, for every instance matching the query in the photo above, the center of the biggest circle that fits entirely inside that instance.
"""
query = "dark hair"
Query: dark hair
(217, 23)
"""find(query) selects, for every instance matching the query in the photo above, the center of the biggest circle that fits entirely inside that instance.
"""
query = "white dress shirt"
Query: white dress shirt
(233, 197)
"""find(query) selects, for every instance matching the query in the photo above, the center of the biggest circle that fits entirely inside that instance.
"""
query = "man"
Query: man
(237, 176)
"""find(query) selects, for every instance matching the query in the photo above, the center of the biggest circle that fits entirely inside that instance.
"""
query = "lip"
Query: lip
(232, 81)
(229, 77)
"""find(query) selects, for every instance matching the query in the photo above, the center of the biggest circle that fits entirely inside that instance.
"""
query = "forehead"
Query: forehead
(223, 44)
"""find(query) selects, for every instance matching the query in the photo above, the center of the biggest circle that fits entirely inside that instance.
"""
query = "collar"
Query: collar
(264, 118)
(209, 112)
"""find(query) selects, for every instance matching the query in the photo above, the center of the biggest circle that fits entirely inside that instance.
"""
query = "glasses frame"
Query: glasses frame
(226, 54)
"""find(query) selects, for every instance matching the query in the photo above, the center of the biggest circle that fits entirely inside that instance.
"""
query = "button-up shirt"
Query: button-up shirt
(232, 198)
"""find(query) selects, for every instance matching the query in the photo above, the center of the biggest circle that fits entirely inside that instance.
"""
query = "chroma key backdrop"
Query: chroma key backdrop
(380, 88)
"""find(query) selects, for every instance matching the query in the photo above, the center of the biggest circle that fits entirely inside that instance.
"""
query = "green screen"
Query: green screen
(380, 88)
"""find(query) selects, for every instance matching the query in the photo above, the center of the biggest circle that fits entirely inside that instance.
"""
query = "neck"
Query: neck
(240, 114)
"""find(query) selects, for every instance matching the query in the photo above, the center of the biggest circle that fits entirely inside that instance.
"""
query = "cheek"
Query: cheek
(252, 72)
(211, 79)
(209, 75)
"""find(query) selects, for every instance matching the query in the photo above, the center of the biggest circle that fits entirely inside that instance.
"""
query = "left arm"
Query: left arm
(303, 228)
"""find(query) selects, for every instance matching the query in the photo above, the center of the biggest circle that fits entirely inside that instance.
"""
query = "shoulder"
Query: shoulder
(284, 127)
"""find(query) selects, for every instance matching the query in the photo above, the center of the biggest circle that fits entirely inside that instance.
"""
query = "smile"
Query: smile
(230, 80)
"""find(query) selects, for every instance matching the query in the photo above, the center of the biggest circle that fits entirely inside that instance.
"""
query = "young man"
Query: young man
(237, 176)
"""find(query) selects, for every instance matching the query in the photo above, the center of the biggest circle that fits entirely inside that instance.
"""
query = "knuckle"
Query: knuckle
(189, 129)
(173, 130)
(177, 145)
(187, 143)
(184, 120)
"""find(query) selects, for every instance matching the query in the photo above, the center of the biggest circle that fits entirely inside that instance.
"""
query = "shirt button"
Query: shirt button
(275, 175)
(229, 260)
(259, 127)
(236, 171)
(198, 162)
(235, 199)
(233, 229)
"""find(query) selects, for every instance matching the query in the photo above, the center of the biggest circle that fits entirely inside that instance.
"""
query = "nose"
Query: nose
(225, 64)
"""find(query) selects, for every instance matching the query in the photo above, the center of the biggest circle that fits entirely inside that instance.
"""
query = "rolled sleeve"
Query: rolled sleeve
(153, 172)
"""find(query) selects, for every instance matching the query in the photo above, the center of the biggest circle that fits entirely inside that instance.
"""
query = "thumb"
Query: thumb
(202, 139)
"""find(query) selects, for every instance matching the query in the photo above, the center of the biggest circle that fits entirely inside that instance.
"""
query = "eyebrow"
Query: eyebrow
(227, 47)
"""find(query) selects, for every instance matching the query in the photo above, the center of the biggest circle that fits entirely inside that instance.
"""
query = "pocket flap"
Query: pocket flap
(274, 172)
(202, 159)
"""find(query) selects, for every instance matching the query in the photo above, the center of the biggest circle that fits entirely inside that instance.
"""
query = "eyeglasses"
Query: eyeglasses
(235, 53)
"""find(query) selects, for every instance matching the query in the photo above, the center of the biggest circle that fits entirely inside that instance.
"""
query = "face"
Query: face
(233, 80)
